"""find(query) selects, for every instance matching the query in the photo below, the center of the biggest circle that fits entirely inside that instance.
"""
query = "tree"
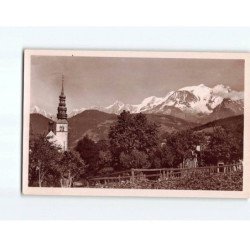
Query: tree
(43, 161)
(89, 152)
(72, 168)
(136, 159)
(104, 162)
(223, 146)
(164, 157)
(131, 133)
(102, 145)
(180, 146)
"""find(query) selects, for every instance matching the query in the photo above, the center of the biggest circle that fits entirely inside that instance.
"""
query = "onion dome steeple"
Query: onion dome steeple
(62, 110)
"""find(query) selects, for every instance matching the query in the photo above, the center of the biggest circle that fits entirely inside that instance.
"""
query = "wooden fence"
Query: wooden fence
(164, 173)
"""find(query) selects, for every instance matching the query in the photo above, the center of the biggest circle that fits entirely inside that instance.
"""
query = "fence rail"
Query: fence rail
(165, 173)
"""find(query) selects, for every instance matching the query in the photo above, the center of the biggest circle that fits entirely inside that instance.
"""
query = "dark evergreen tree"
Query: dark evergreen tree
(89, 152)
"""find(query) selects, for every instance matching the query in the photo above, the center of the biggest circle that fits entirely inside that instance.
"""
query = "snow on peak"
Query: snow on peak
(76, 112)
(226, 92)
(37, 110)
(193, 99)
(220, 88)
(147, 103)
(117, 103)
(204, 100)
(117, 107)
(201, 91)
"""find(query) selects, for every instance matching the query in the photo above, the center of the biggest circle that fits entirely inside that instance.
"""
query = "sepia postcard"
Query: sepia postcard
(136, 123)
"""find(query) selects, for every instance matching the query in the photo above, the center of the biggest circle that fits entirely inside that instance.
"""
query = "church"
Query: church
(59, 134)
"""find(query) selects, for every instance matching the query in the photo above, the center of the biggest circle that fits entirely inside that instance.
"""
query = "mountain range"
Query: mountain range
(186, 108)
(193, 103)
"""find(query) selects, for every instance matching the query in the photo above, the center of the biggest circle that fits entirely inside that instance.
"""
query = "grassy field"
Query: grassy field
(205, 181)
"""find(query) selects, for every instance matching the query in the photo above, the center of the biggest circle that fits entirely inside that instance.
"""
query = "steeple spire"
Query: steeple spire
(62, 110)
(62, 92)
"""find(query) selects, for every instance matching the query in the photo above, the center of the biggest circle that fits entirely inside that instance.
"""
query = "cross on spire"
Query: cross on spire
(62, 93)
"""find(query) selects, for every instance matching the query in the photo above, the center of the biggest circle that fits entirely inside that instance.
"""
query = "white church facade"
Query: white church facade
(59, 134)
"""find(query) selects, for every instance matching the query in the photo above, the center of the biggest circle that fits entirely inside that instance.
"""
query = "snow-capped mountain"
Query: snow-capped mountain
(76, 112)
(37, 110)
(117, 107)
(150, 102)
(198, 99)
(227, 108)
(188, 103)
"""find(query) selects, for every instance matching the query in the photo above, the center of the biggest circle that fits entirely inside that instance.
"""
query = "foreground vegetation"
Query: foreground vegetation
(135, 142)
(219, 181)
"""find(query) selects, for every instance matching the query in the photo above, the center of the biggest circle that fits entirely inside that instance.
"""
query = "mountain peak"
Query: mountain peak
(191, 100)
(76, 111)
(117, 103)
(37, 110)
(220, 88)
(196, 87)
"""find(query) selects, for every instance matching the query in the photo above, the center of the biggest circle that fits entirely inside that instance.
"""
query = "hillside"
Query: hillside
(38, 124)
(93, 123)
(230, 123)
(170, 123)
(96, 124)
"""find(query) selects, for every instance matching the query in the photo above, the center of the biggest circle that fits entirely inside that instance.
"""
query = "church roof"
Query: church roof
(62, 121)
(51, 134)
(51, 137)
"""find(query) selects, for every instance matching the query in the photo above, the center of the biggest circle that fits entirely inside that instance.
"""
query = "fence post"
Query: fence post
(132, 175)
(164, 175)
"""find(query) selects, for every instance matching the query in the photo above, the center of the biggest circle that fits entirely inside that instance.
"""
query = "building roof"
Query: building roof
(51, 134)
(62, 121)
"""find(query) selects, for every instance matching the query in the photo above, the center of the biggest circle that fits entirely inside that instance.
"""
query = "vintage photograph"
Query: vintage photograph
(134, 123)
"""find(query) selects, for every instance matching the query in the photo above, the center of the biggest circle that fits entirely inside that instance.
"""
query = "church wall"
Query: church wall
(62, 135)
(62, 140)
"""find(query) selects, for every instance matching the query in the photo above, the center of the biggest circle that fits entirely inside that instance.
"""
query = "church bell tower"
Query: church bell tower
(62, 122)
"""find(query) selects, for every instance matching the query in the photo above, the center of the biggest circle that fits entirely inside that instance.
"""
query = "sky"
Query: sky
(100, 81)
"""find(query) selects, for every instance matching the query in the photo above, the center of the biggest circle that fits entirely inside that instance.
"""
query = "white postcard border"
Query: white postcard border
(135, 192)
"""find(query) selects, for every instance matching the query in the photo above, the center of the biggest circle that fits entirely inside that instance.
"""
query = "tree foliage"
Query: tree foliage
(223, 145)
(72, 167)
(48, 164)
(131, 133)
(89, 152)
(218, 144)
(104, 162)
(136, 159)
(179, 146)
(43, 162)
